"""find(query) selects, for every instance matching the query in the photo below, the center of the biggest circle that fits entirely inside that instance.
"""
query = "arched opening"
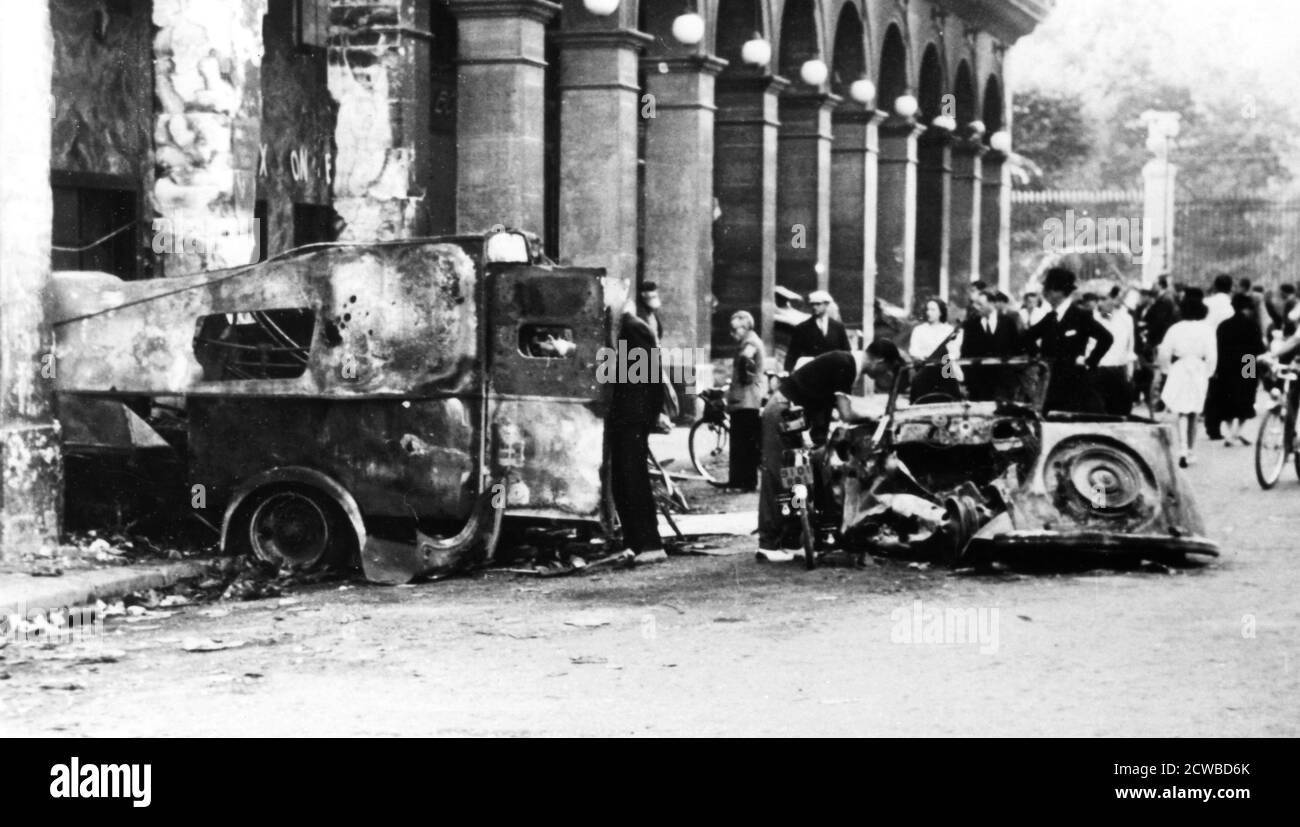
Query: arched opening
(803, 159)
(744, 196)
(850, 266)
(896, 179)
(994, 119)
(931, 91)
(798, 38)
(994, 222)
(933, 183)
(738, 22)
(964, 89)
(849, 60)
(893, 70)
(963, 261)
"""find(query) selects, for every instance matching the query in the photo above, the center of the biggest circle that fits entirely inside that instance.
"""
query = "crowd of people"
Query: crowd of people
(1109, 349)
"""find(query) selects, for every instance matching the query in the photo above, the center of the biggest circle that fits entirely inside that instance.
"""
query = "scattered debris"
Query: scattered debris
(589, 620)
(192, 644)
(588, 660)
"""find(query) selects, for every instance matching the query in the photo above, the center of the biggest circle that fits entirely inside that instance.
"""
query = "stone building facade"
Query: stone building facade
(849, 145)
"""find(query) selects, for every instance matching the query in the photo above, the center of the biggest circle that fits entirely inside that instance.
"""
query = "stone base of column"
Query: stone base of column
(31, 500)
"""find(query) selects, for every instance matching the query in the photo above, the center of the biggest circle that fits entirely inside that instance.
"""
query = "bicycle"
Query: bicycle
(709, 440)
(1275, 443)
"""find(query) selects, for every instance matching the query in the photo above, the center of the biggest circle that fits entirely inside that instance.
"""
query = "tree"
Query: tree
(1053, 132)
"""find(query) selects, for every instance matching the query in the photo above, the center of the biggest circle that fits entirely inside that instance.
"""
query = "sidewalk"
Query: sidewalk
(21, 593)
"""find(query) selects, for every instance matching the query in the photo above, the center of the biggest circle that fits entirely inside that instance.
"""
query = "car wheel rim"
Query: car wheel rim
(289, 527)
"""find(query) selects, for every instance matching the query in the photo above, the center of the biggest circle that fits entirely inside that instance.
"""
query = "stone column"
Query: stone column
(995, 221)
(854, 156)
(933, 202)
(380, 75)
(31, 493)
(744, 183)
(678, 200)
(208, 83)
(803, 191)
(896, 212)
(500, 113)
(967, 183)
(600, 101)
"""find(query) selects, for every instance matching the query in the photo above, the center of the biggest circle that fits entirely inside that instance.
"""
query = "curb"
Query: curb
(19, 593)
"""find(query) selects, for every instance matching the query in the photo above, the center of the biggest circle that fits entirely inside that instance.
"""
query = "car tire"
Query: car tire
(292, 526)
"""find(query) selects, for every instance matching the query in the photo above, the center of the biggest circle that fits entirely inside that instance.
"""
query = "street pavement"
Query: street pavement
(721, 645)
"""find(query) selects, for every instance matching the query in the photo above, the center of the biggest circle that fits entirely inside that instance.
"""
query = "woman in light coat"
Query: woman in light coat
(1188, 357)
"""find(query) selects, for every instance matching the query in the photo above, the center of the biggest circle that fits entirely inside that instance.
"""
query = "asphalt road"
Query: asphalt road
(704, 645)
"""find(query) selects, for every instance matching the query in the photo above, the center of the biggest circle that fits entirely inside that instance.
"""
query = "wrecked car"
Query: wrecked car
(392, 402)
(962, 478)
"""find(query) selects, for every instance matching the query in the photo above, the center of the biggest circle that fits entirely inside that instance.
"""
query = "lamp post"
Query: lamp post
(601, 8)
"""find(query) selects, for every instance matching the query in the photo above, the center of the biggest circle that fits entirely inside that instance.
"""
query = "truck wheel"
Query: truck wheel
(293, 526)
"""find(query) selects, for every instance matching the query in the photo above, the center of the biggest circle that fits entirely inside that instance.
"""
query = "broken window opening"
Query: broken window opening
(257, 344)
(542, 341)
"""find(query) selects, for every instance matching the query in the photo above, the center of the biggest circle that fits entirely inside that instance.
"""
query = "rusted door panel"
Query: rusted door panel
(549, 409)
(562, 448)
(397, 460)
(389, 320)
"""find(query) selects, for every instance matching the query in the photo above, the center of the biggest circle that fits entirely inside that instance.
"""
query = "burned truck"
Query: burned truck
(389, 401)
(960, 475)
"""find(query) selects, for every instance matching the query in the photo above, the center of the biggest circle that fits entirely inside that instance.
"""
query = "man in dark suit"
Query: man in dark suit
(989, 333)
(633, 411)
(1062, 338)
(817, 335)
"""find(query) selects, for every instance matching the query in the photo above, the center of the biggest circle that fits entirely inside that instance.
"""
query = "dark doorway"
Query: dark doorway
(312, 224)
(84, 215)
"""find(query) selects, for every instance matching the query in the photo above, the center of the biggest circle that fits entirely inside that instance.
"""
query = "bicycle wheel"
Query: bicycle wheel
(809, 538)
(1271, 449)
(710, 447)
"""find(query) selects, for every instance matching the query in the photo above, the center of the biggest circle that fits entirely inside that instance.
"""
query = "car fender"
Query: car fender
(302, 476)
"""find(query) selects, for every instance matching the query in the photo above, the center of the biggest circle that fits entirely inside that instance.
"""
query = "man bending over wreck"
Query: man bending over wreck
(812, 387)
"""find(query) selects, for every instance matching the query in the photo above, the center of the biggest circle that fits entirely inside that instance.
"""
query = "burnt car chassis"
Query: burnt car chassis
(965, 480)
